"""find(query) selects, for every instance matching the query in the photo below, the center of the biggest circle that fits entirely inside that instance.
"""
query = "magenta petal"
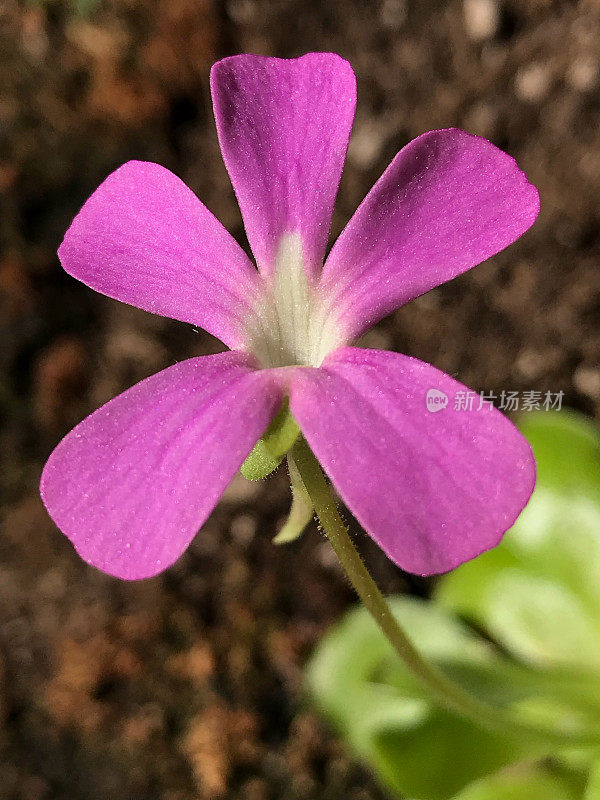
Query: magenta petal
(144, 238)
(283, 127)
(433, 488)
(132, 484)
(448, 201)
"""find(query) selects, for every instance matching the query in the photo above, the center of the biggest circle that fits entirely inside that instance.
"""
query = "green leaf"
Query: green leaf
(567, 450)
(538, 595)
(541, 621)
(440, 756)
(592, 791)
(538, 592)
(416, 749)
(526, 782)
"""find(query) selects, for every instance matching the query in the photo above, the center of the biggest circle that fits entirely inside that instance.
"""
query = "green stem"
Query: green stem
(442, 689)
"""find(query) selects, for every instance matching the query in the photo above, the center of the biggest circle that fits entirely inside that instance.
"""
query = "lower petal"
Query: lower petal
(131, 485)
(434, 488)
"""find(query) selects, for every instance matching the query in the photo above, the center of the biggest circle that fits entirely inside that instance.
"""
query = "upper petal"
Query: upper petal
(132, 484)
(433, 488)
(143, 237)
(283, 128)
(448, 201)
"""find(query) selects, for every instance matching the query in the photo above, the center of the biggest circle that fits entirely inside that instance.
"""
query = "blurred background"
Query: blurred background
(189, 686)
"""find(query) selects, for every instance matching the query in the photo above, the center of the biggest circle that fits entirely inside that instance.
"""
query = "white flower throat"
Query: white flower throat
(292, 325)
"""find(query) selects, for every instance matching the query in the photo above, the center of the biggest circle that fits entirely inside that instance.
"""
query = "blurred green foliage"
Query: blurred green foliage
(518, 627)
(81, 7)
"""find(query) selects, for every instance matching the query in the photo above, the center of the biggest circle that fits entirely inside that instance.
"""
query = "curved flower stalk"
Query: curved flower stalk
(131, 485)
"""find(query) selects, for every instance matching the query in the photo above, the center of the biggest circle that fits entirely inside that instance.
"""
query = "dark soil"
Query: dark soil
(189, 686)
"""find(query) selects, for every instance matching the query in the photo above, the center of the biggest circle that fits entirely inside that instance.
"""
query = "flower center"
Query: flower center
(291, 326)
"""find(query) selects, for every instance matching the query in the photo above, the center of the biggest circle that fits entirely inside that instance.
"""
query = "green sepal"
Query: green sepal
(260, 462)
(301, 511)
(267, 454)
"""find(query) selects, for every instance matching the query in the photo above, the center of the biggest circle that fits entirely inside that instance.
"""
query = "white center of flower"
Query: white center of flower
(291, 325)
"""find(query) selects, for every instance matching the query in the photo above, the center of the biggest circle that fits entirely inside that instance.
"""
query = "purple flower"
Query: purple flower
(432, 483)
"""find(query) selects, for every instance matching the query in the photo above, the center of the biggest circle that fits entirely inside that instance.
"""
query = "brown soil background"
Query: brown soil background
(189, 686)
